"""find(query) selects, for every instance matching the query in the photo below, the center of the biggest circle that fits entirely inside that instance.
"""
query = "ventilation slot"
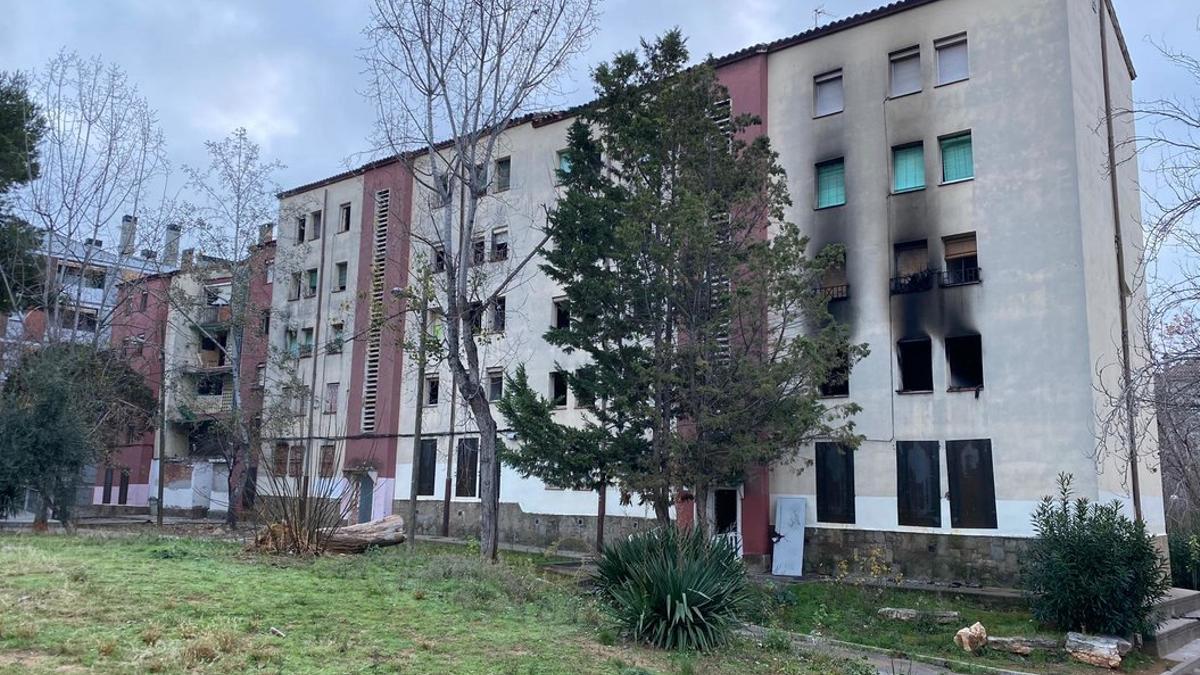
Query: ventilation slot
(375, 331)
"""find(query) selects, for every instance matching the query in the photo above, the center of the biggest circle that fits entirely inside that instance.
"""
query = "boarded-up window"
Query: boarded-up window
(835, 483)
(918, 484)
(328, 460)
(466, 479)
(428, 466)
(972, 487)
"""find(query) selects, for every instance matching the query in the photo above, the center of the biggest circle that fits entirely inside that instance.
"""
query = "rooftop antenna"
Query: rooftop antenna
(820, 12)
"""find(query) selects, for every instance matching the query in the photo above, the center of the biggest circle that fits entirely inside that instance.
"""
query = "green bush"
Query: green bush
(1185, 560)
(674, 589)
(1091, 568)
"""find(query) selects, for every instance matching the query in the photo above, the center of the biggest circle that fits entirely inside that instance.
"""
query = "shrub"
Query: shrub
(1185, 560)
(674, 589)
(1091, 568)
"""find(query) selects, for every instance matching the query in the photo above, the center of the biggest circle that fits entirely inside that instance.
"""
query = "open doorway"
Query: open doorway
(725, 509)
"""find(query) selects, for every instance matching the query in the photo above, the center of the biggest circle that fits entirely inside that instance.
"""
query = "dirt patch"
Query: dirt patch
(25, 659)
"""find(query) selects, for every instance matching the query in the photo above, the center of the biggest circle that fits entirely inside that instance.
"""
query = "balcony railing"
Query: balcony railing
(914, 283)
(962, 276)
(215, 314)
(305, 350)
(834, 293)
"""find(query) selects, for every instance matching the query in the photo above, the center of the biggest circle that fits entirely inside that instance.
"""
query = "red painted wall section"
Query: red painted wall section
(378, 448)
(255, 343)
(131, 323)
(746, 81)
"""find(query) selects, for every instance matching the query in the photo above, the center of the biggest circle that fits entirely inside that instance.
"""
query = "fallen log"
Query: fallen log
(386, 531)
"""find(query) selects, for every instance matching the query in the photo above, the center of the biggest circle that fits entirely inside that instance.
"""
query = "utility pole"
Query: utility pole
(423, 308)
(162, 413)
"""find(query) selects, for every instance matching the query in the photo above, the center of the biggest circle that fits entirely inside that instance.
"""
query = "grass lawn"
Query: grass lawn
(848, 612)
(149, 604)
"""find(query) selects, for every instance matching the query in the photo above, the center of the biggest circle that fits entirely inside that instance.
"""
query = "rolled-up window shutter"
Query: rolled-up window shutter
(952, 61)
(906, 72)
(960, 247)
(828, 97)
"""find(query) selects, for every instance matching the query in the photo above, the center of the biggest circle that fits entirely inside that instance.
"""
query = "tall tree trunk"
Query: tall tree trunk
(414, 483)
(601, 511)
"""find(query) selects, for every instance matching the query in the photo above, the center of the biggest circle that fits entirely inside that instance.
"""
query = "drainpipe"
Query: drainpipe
(1118, 242)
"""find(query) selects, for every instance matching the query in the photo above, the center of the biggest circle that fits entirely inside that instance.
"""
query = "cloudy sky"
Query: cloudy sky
(288, 71)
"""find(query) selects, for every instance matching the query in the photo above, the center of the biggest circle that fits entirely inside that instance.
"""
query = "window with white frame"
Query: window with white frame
(952, 61)
(827, 94)
(905, 72)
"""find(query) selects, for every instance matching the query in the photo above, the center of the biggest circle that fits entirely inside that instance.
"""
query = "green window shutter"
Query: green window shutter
(908, 168)
(957, 163)
(831, 183)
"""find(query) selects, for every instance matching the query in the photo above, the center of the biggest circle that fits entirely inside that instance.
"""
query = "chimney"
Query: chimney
(189, 255)
(266, 233)
(128, 232)
(171, 249)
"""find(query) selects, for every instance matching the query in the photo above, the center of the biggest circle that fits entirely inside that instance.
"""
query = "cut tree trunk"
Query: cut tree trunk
(387, 531)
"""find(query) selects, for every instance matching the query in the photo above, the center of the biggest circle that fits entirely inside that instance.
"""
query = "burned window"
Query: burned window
(475, 315)
(834, 283)
(466, 480)
(499, 245)
(558, 389)
(837, 381)
(964, 358)
(918, 484)
(427, 466)
(431, 391)
(835, 483)
(725, 511)
(912, 267)
(328, 461)
(972, 487)
(478, 251)
(499, 306)
(439, 259)
(301, 225)
(210, 385)
(916, 364)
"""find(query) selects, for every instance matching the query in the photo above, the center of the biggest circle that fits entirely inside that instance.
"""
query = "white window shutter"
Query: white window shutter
(952, 62)
(828, 98)
(906, 74)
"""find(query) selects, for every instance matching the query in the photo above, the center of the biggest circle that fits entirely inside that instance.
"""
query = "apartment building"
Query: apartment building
(935, 139)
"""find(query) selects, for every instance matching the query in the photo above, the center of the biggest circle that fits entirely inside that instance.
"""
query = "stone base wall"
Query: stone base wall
(572, 533)
(975, 560)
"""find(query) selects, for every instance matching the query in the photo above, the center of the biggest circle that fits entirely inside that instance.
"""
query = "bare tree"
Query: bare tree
(447, 78)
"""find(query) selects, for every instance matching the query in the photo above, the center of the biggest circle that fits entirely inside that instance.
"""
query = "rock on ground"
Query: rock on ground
(905, 614)
(1097, 650)
(1021, 645)
(972, 638)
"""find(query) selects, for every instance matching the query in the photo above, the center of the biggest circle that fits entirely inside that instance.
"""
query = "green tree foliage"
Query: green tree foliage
(1091, 568)
(21, 129)
(63, 407)
(705, 337)
(674, 589)
(21, 275)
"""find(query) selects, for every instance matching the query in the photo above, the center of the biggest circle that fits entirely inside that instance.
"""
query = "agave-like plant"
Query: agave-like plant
(674, 589)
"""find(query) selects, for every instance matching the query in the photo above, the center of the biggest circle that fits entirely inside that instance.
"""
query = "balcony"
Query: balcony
(215, 315)
(914, 283)
(835, 293)
(304, 350)
(961, 276)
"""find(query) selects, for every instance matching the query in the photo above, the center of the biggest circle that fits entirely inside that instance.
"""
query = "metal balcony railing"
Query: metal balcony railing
(962, 276)
(913, 283)
(215, 314)
(833, 293)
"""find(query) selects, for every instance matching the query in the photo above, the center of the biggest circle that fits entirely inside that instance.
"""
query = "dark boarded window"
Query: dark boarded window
(467, 473)
(972, 488)
(964, 357)
(835, 483)
(916, 364)
(428, 466)
(918, 485)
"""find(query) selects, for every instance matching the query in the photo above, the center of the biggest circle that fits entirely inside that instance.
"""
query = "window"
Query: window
(94, 277)
(316, 225)
(139, 344)
(957, 162)
(292, 342)
(310, 288)
(264, 322)
(475, 315)
(306, 342)
(478, 251)
(269, 272)
(144, 301)
(210, 385)
(495, 384)
(499, 307)
(906, 71)
(564, 164)
(331, 397)
(827, 94)
(952, 65)
(962, 261)
(301, 226)
(433, 322)
(964, 358)
(279, 460)
(911, 257)
(441, 188)
(344, 217)
(837, 383)
(725, 511)
(337, 337)
(296, 461)
(499, 245)
(972, 486)
(503, 174)
(835, 483)
(558, 389)
(340, 273)
(83, 320)
(561, 317)
(260, 375)
(294, 288)
(831, 183)
(916, 364)
(426, 467)
(918, 484)
(431, 391)
(908, 167)
(439, 259)
(328, 460)
(466, 479)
